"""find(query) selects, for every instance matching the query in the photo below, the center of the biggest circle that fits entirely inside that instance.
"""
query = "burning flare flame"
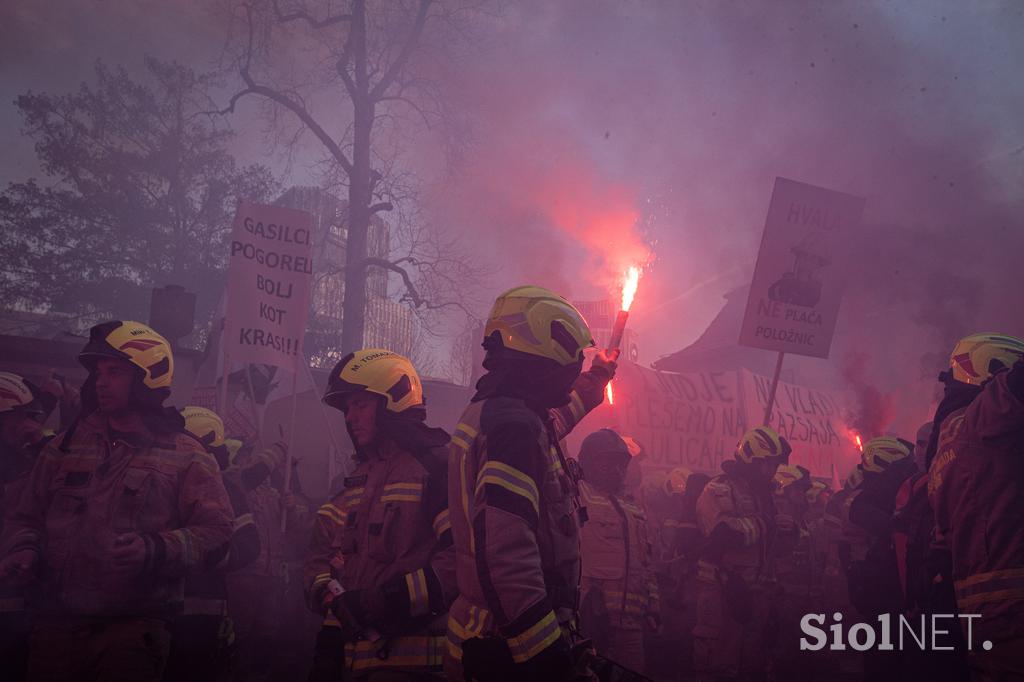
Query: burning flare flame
(629, 287)
(860, 446)
(609, 393)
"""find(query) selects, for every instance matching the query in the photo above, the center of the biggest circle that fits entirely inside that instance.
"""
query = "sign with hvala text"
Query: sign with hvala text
(801, 269)
(270, 268)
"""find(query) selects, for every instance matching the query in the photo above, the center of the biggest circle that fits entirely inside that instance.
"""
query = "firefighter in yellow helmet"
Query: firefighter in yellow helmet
(202, 642)
(798, 568)
(514, 495)
(380, 565)
(23, 408)
(670, 504)
(117, 509)
(976, 483)
(736, 515)
(618, 590)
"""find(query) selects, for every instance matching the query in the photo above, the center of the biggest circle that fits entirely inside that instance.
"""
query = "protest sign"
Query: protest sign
(801, 269)
(269, 272)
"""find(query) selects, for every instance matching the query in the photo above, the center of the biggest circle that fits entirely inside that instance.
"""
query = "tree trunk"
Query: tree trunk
(354, 306)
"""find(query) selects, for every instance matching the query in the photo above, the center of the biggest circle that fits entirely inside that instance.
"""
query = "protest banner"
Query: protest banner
(693, 419)
(813, 421)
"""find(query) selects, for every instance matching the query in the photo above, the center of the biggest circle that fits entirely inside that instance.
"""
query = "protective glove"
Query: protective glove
(606, 362)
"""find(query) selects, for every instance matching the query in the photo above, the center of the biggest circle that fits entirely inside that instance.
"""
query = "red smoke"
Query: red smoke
(874, 409)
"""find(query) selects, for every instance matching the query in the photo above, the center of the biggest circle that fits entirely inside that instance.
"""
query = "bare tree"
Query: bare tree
(356, 80)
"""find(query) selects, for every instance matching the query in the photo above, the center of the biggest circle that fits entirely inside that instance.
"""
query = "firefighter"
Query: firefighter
(23, 408)
(381, 561)
(116, 510)
(975, 486)
(515, 501)
(843, 542)
(736, 515)
(797, 569)
(670, 504)
(619, 595)
(202, 634)
(257, 591)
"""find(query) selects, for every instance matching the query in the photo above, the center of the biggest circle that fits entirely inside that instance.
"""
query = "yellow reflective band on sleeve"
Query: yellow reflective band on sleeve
(477, 621)
(464, 494)
(511, 479)
(402, 492)
(351, 497)
(332, 513)
(535, 640)
(442, 523)
(243, 520)
(419, 598)
(463, 435)
(320, 579)
(415, 651)
(576, 407)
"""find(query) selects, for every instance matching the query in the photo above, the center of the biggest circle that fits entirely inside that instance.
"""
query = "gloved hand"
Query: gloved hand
(606, 361)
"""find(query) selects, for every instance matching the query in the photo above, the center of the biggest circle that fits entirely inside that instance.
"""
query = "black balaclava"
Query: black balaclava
(541, 382)
(956, 395)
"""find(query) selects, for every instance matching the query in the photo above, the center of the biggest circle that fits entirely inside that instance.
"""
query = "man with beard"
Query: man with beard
(116, 510)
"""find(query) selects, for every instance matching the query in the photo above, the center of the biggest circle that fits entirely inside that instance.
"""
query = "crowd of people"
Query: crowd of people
(140, 542)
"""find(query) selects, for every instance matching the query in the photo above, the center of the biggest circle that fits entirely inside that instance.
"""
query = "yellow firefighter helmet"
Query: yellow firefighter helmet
(882, 452)
(234, 446)
(378, 371)
(761, 442)
(676, 479)
(978, 356)
(205, 425)
(539, 322)
(15, 393)
(134, 342)
(817, 489)
(791, 474)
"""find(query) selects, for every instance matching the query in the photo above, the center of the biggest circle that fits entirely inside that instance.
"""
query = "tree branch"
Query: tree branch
(403, 57)
(304, 16)
(381, 206)
(410, 288)
(301, 112)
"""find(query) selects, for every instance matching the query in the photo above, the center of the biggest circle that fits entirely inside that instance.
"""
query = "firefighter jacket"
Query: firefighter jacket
(797, 561)
(206, 593)
(975, 489)
(89, 485)
(15, 468)
(259, 513)
(738, 522)
(514, 511)
(616, 559)
(386, 536)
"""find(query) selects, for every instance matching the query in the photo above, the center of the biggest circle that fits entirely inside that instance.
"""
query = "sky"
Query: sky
(604, 133)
